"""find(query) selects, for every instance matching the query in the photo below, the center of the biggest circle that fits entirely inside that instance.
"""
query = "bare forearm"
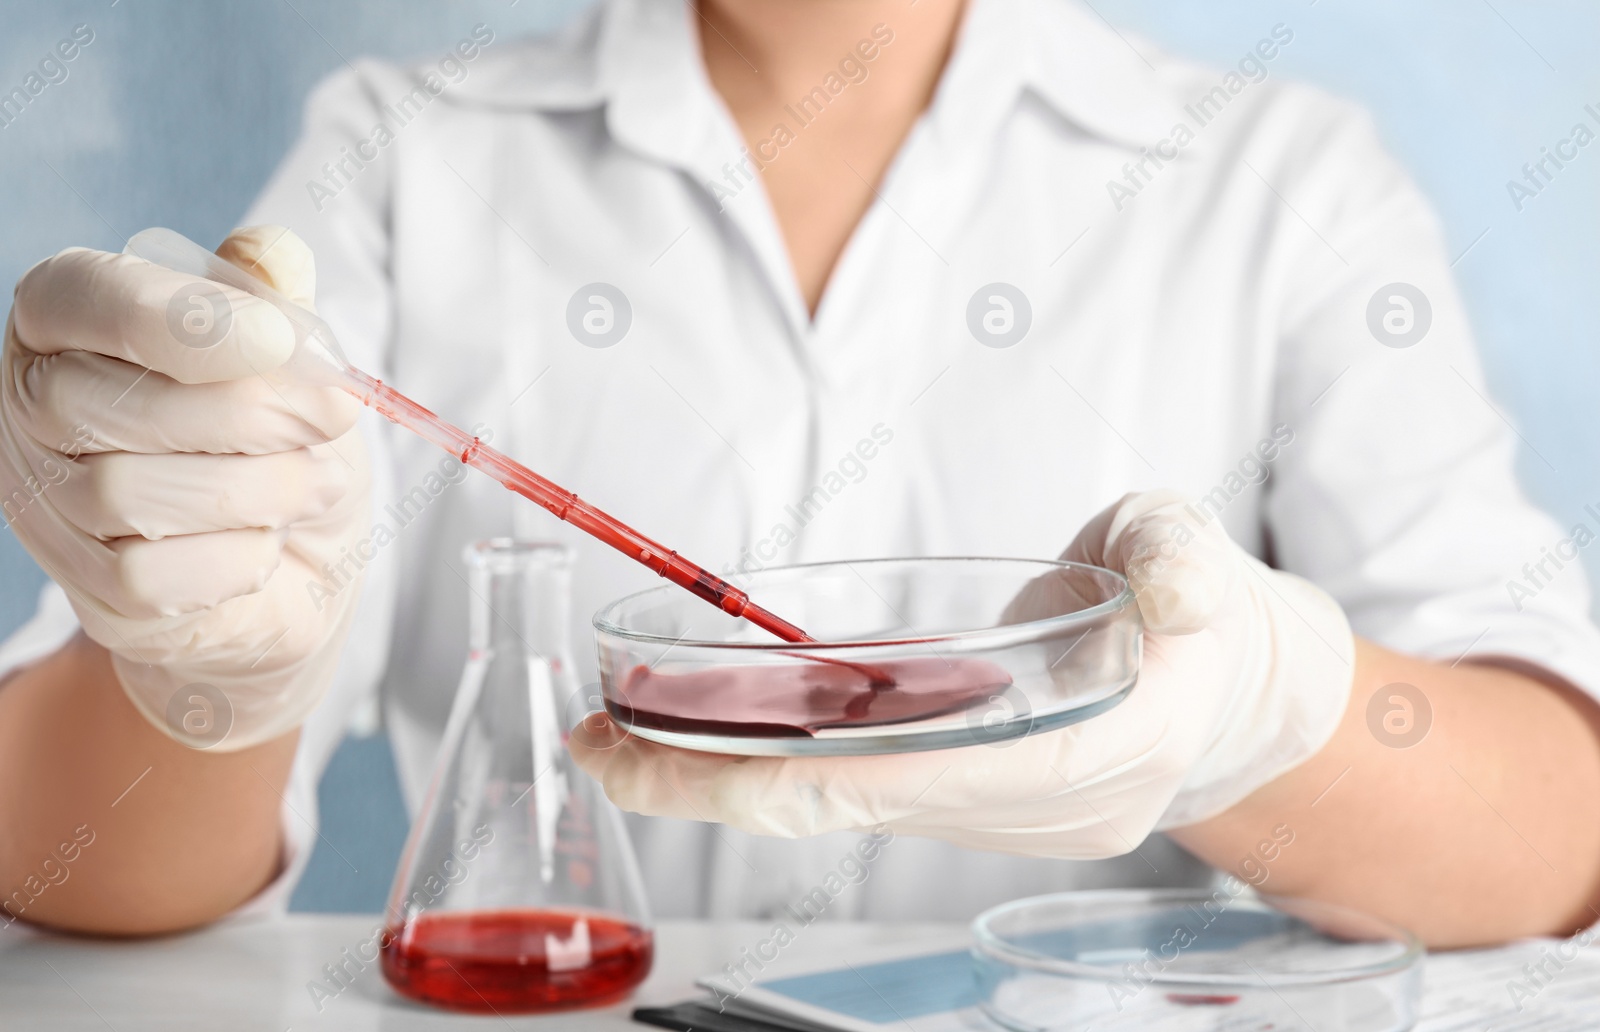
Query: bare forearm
(113, 828)
(1485, 829)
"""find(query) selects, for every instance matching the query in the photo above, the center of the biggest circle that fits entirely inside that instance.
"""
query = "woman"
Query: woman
(683, 259)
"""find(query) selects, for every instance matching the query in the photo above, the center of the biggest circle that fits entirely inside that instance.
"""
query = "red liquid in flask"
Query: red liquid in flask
(517, 961)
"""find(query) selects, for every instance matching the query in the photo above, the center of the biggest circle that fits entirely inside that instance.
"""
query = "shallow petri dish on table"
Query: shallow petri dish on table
(912, 654)
(1186, 960)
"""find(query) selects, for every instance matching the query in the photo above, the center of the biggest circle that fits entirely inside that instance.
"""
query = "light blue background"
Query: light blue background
(177, 112)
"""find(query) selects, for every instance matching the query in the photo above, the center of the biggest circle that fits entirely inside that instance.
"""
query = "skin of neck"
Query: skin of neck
(768, 52)
(848, 79)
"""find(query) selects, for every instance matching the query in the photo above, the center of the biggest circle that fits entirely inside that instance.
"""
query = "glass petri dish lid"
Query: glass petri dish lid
(1185, 959)
(912, 654)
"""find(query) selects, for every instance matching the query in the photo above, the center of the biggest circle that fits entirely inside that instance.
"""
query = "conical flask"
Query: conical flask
(518, 890)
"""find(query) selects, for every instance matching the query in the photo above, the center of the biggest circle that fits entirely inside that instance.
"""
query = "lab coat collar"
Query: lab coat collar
(659, 99)
(1061, 53)
(637, 59)
(641, 59)
(1090, 73)
(558, 72)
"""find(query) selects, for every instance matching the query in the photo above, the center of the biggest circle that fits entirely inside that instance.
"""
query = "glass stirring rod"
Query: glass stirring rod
(317, 359)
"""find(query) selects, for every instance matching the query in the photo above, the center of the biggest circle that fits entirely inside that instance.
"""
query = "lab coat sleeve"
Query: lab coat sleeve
(1398, 494)
(52, 624)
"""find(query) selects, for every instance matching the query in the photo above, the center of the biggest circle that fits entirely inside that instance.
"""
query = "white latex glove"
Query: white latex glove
(1245, 673)
(182, 495)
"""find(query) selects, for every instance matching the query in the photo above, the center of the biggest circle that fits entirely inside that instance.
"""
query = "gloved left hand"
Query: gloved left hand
(1245, 673)
(187, 499)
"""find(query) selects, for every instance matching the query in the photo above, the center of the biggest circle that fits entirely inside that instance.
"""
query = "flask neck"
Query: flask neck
(520, 598)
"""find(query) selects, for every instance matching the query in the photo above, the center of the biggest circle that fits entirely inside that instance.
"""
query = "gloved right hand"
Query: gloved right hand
(189, 502)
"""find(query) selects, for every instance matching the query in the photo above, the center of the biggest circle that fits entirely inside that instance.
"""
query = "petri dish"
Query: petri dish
(1186, 959)
(912, 654)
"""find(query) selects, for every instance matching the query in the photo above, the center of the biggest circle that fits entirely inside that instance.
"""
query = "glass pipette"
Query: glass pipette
(317, 359)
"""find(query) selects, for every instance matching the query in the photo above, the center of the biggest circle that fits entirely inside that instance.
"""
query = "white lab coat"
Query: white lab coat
(1183, 308)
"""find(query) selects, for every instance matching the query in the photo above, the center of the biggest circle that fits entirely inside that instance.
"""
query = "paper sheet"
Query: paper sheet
(1536, 986)
(1544, 986)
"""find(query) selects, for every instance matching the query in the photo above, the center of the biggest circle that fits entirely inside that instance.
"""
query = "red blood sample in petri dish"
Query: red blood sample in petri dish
(799, 699)
(1203, 999)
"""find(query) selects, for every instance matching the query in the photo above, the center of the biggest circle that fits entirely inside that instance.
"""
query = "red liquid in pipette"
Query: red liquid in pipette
(500, 961)
(398, 408)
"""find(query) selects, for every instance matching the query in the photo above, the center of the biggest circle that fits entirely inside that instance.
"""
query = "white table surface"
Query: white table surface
(253, 975)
